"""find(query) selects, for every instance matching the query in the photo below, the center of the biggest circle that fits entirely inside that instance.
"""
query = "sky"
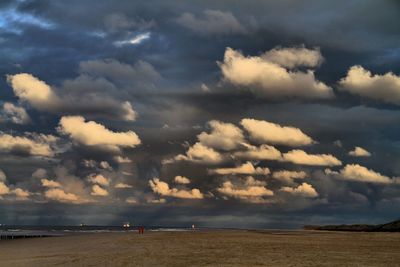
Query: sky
(251, 114)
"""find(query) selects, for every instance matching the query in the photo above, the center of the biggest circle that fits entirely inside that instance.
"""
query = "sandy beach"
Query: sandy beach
(206, 248)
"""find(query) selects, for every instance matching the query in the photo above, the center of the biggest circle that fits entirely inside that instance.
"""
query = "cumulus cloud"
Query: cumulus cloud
(224, 136)
(359, 152)
(163, 189)
(267, 75)
(4, 189)
(98, 191)
(245, 168)
(294, 57)
(301, 157)
(15, 114)
(90, 133)
(288, 176)
(200, 154)
(358, 173)
(60, 195)
(50, 183)
(21, 194)
(30, 144)
(305, 190)
(98, 179)
(34, 91)
(268, 132)
(263, 152)
(362, 82)
(181, 180)
(213, 22)
(43, 97)
(123, 186)
(252, 190)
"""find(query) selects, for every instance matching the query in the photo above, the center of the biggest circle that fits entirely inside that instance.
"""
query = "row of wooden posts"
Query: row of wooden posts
(3, 237)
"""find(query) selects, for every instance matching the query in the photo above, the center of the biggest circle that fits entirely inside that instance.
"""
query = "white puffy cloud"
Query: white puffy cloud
(181, 180)
(252, 190)
(301, 157)
(123, 186)
(15, 114)
(98, 191)
(224, 136)
(163, 189)
(21, 194)
(4, 189)
(264, 76)
(362, 82)
(90, 133)
(200, 154)
(294, 57)
(305, 190)
(358, 173)
(60, 195)
(213, 22)
(98, 179)
(268, 132)
(245, 168)
(288, 176)
(359, 152)
(263, 152)
(43, 97)
(31, 144)
(34, 91)
(50, 183)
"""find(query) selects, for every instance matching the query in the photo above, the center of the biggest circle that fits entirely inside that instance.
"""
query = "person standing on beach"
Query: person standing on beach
(141, 229)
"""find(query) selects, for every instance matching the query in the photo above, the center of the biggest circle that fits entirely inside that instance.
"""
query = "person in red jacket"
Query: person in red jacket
(141, 229)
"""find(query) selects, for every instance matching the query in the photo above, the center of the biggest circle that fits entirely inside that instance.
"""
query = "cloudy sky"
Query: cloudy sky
(219, 113)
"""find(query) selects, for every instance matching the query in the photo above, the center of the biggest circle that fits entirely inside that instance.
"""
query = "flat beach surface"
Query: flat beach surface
(206, 248)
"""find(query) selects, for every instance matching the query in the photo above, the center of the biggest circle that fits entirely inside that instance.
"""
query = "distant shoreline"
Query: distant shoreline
(387, 227)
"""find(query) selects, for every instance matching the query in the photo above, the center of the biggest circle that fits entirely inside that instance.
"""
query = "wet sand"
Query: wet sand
(206, 248)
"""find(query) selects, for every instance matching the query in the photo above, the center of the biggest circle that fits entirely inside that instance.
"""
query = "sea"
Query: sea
(27, 231)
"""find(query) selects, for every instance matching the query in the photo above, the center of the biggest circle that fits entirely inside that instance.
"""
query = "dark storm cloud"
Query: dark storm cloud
(158, 55)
